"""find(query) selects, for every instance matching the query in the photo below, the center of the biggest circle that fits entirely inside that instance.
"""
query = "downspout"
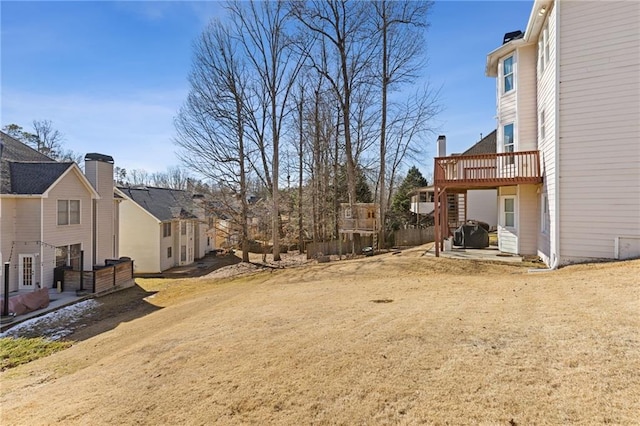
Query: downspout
(555, 257)
(42, 243)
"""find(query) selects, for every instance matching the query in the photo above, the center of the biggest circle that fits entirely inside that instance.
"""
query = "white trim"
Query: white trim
(555, 251)
(21, 285)
(514, 76)
(123, 195)
(503, 212)
(80, 175)
(42, 239)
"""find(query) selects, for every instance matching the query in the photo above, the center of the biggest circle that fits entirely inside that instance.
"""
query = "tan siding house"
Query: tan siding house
(47, 215)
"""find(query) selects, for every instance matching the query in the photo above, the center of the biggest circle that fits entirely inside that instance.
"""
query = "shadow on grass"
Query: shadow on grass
(114, 309)
(200, 267)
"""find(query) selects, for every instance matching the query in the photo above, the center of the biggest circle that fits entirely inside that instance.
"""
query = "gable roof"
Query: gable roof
(486, 145)
(32, 177)
(162, 203)
(25, 171)
(13, 149)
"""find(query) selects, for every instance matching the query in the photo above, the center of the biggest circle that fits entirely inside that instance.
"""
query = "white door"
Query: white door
(508, 225)
(26, 272)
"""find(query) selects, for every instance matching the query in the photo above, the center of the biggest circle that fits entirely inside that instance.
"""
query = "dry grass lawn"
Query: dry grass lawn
(390, 339)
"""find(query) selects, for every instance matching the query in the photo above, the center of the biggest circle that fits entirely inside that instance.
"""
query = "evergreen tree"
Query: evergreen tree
(401, 204)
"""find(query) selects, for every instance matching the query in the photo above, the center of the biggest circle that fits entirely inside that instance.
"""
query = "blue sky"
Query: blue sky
(111, 76)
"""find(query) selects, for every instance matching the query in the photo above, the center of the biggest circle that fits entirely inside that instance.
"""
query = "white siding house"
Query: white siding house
(162, 228)
(568, 115)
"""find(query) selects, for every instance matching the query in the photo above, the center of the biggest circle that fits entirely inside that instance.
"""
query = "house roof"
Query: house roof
(536, 19)
(25, 171)
(486, 145)
(32, 177)
(162, 203)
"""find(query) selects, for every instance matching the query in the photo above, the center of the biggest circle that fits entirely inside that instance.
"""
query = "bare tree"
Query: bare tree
(211, 124)
(48, 139)
(174, 178)
(262, 31)
(408, 125)
(138, 177)
(341, 26)
(45, 139)
(401, 27)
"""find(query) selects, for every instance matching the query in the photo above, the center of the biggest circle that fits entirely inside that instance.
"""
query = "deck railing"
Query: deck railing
(488, 169)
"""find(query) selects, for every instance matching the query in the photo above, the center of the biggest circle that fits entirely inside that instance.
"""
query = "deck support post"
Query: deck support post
(436, 218)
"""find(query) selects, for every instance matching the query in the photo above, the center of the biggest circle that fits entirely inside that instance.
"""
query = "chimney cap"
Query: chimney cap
(94, 156)
(441, 137)
(513, 35)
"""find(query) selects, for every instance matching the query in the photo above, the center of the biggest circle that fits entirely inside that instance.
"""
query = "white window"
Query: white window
(166, 230)
(545, 37)
(509, 212)
(347, 213)
(507, 71)
(183, 228)
(543, 49)
(541, 126)
(68, 212)
(169, 252)
(544, 220)
(508, 143)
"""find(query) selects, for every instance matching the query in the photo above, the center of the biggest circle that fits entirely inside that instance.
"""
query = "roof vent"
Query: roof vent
(513, 35)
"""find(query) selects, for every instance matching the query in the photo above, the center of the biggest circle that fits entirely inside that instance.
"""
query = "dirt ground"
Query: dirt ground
(390, 339)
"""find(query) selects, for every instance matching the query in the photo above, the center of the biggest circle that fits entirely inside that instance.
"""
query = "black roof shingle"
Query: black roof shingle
(163, 203)
(25, 171)
(486, 145)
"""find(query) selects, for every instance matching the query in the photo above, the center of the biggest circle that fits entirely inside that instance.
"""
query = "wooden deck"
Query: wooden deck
(487, 170)
(459, 173)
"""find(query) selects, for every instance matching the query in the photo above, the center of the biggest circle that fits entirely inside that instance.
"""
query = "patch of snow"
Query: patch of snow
(54, 325)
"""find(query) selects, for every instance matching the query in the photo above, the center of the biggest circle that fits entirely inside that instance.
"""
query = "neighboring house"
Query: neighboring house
(567, 168)
(52, 215)
(161, 228)
(422, 201)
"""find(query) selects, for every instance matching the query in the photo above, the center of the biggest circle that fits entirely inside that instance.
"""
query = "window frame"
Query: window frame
(166, 229)
(511, 74)
(511, 213)
(511, 147)
(65, 215)
(542, 125)
(169, 252)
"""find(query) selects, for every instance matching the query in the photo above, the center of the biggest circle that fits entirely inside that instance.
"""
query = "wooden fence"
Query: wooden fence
(327, 248)
(115, 274)
(414, 237)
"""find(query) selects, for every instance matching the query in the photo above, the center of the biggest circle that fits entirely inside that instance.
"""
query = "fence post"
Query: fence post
(5, 301)
(81, 270)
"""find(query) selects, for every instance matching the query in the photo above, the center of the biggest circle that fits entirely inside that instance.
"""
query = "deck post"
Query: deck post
(436, 218)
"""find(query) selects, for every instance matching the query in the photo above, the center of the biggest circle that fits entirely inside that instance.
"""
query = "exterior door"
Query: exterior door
(508, 225)
(26, 272)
